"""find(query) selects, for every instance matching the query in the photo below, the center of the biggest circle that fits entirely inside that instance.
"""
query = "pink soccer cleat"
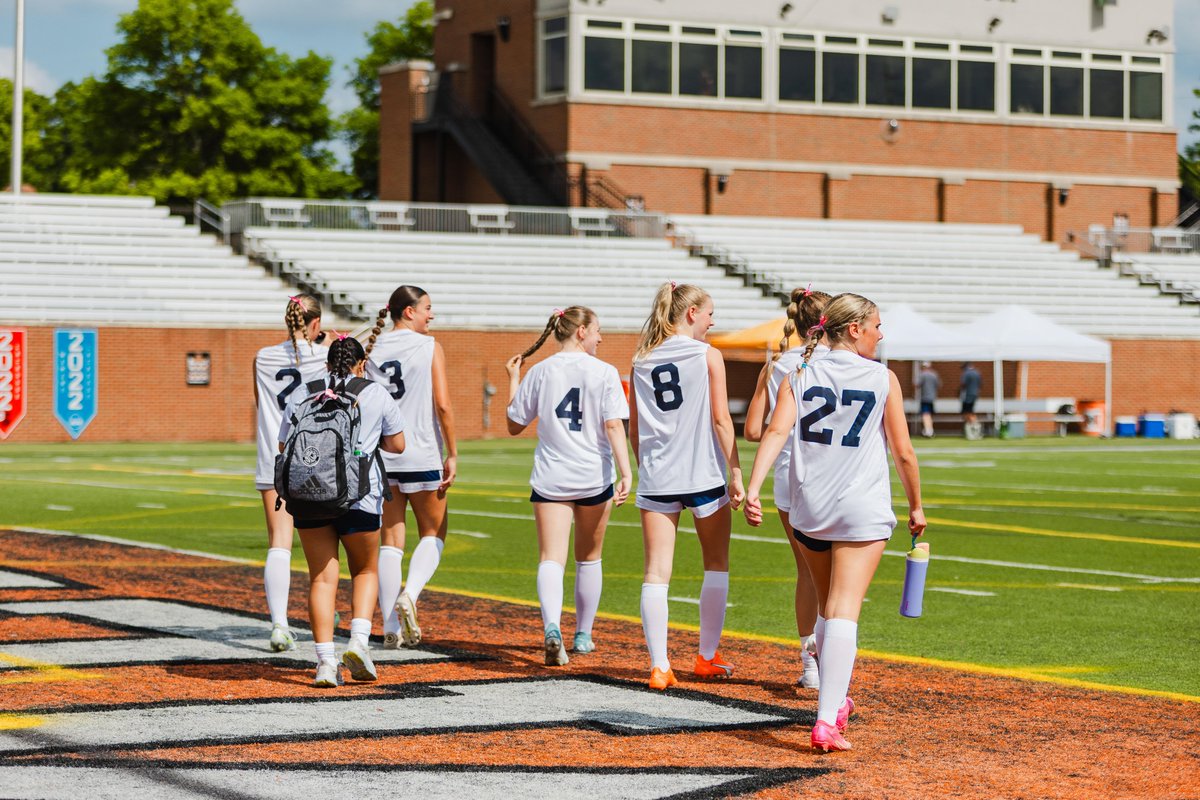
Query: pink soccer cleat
(843, 717)
(826, 737)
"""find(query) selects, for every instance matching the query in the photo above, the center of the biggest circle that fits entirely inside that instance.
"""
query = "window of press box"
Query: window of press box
(1145, 95)
(1066, 91)
(555, 25)
(798, 75)
(743, 72)
(930, 83)
(976, 86)
(651, 73)
(1026, 92)
(698, 69)
(554, 55)
(886, 76)
(1106, 92)
(839, 77)
(604, 64)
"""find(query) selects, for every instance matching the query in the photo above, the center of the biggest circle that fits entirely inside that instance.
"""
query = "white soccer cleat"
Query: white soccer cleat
(329, 674)
(391, 641)
(282, 639)
(358, 660)
(410, 630)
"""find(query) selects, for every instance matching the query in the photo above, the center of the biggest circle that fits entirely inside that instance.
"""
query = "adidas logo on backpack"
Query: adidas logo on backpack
(321, 472)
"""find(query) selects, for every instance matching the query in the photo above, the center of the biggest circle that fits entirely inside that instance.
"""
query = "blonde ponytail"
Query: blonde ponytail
(671, 303)
(562, 323)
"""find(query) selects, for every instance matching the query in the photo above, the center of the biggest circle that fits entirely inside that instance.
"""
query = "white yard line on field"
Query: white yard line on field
(968, 592)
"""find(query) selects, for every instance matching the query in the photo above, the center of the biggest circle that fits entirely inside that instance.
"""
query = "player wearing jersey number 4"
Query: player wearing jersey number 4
(579, 406)
(842, 412)
(280, 374)
(804, 311)
(412, 367)
(683, 438)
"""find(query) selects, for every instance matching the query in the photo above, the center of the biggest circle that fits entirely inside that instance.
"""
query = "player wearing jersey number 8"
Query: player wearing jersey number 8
(683, 438)
(842, 412)
(281, 372)
(411, 365)
(579, 406)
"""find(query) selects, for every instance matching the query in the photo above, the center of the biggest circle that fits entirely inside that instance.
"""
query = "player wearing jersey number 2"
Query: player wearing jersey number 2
(842, 412)
(579, 406)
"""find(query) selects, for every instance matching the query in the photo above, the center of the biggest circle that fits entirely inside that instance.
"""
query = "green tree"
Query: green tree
(37, 162)
(411, 39)
(193, 104)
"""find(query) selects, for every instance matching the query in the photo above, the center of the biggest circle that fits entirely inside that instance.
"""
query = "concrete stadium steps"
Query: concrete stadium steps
(525, 276)
(952, 272)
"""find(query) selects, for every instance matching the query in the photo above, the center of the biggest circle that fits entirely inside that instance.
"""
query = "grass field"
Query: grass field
(1070, 560)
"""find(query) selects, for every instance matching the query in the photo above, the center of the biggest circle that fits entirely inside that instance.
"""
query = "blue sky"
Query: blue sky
(65, 39)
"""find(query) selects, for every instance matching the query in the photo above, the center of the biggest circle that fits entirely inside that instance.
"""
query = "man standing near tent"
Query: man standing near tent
(968, 393)
(928, 384)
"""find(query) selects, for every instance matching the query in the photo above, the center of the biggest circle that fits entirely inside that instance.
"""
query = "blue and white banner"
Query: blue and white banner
(75, 378)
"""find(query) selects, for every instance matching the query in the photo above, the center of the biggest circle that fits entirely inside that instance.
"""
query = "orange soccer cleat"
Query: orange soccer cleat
(715, 667)
(660, 679)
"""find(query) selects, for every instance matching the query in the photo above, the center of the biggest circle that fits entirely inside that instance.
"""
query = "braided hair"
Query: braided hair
(563, 324)
(839, 314)
(404, 297)
(344, 354)
(803, 312)
(301, 310)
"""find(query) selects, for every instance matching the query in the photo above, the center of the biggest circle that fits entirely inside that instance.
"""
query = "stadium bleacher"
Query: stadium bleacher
(951, 272)
(1174, 273)
(99, 259)
(505, 281)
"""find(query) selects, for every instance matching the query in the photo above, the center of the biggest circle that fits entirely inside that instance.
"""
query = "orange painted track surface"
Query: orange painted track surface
(920, 731)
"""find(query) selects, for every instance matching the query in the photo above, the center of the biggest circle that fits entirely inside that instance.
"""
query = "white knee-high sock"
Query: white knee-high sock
(324, 651)
(837, 665)
(550, 592)
(819, 632)
(713, 594)
(589, 580)
(277, 579)
(360, 629)
(391, 574)
(424, 563)
(654, 623)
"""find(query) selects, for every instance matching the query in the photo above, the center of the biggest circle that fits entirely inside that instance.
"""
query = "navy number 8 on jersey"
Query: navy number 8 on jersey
(668, 394)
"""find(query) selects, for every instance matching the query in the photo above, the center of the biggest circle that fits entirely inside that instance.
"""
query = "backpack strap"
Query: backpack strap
(314, 387)
(355, 386)
(387, 485)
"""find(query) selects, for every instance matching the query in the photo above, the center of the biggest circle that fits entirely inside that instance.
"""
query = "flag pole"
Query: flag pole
(18, 115)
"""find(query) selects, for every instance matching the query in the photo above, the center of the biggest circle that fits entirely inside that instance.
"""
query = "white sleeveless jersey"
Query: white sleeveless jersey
(782, 368)
(571, 395)
(280, 380)
(402, 361)
(840, 485)
(678, 451)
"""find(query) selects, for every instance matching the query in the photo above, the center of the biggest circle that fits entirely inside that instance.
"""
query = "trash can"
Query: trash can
(1126, 426)
(1013, 426)
(1181, 426)
(1093, 417)
(1152, 426)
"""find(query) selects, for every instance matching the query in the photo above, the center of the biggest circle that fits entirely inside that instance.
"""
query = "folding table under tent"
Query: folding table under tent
(1014, 333)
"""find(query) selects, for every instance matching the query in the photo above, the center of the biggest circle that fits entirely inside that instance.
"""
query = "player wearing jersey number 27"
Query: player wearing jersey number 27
(683, 438)
(842, 412)
(281, 372)
(579, 406)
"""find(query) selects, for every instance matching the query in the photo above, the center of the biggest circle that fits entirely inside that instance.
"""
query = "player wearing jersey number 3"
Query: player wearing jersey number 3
(683, 438)
(412, 367)
(842, 412)
(579, 406)
(281, 372)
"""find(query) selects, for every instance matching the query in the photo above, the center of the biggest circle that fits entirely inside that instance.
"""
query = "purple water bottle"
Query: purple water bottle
(916, 564)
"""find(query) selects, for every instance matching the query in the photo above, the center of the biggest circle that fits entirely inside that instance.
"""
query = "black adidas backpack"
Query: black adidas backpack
(322, 472)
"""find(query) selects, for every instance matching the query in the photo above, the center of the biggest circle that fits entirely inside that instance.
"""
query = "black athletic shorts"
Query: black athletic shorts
(603, 497)
(351, 522)
(816, 545)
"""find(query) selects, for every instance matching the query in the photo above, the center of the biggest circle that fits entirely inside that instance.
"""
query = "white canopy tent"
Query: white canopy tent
(1014, 333)
(909, 335)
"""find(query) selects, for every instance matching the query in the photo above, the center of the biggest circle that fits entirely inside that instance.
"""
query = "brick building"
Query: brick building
(1052, 114)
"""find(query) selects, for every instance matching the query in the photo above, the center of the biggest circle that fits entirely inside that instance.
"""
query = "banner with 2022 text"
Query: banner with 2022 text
(13, 392)
(75, 355)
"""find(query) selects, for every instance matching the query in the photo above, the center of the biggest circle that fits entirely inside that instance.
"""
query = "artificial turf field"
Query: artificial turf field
(1057, 655)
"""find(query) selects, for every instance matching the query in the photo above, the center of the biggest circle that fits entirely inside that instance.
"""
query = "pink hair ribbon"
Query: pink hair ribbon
(673, 284)
(820, 326)
(296, 300)
(808, 289)
(558, 312)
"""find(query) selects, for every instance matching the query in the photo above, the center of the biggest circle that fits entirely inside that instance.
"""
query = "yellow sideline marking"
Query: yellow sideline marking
(41, 672)
(157, 512)
(962, 501)
(1099, 537)
(457, 489)
(16, 722)
(1021, 673)
(177, 473)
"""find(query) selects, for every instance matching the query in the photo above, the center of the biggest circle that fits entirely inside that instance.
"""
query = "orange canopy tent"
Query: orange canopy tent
(761, 337)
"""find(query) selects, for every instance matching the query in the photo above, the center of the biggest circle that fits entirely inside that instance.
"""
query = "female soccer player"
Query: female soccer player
(683, 438)
(381, 426)
(280, 373)
(579, 404)
(850, 412)
(412, 366)
(803, 312)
